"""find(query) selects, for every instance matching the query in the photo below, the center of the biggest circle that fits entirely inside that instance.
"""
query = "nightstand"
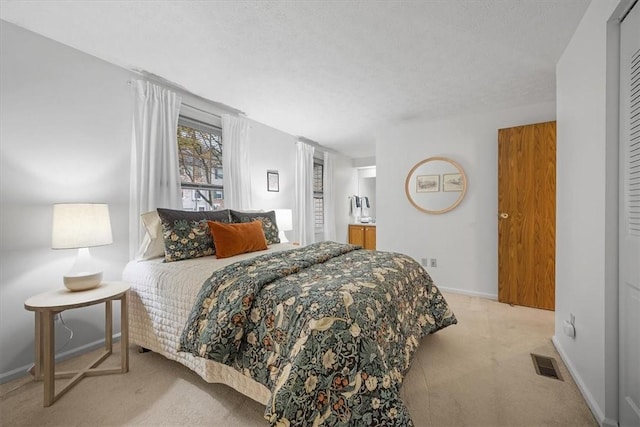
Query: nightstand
(48, 304)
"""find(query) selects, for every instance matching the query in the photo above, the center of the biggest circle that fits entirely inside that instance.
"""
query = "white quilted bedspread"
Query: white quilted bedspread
(161, 297)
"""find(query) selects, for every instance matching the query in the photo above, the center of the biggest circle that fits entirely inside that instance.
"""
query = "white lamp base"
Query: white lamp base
(83, 283)
(83, 274)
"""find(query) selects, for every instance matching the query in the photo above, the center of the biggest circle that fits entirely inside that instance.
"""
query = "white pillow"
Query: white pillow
(153, 244)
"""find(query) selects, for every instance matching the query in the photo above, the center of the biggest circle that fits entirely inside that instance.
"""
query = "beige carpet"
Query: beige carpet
(476, 373)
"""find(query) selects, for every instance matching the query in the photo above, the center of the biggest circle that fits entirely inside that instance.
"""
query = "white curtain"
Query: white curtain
(329, 198)
(304, 219)
(155, 175)
(235, 162)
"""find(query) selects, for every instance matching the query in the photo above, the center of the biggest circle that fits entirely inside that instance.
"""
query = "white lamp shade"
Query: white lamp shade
(284, 218)
(80, 225)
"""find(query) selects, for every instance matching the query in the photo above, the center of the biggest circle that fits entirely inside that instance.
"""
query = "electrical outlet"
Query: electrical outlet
(569, 326)
(434, 262)
(425, 262)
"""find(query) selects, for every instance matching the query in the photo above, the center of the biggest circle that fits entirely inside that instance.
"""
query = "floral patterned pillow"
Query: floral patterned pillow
(186, 233)
(268, 219)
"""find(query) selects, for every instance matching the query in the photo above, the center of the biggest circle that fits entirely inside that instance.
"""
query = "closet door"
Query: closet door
(527, 215)
(629, 240)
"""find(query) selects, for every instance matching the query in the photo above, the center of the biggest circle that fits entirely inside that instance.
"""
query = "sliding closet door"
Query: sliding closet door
(629, 250)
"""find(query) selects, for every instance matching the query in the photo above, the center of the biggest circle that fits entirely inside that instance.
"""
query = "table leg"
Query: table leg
(37, 372)
(124, 333)
(49, 357)
(108, 327)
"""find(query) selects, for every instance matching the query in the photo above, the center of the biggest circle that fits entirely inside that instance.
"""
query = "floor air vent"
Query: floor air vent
(546, 366)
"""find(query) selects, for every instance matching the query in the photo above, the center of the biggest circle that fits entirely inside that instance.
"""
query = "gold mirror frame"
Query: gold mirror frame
(448, 208)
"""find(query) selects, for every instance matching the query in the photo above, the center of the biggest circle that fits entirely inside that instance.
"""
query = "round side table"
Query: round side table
(48, 304)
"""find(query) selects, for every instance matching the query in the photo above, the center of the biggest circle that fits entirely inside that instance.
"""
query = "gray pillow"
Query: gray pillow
(269, 225)
(186, 233)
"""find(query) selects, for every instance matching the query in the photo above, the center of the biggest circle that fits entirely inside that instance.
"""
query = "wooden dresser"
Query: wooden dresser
(363, 235)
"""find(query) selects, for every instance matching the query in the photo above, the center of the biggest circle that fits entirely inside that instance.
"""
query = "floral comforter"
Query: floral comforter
(329, 328)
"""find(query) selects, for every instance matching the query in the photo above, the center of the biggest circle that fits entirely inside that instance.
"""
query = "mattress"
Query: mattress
(161, 298)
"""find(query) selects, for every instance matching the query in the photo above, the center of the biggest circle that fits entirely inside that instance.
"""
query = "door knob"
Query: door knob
(504, 215)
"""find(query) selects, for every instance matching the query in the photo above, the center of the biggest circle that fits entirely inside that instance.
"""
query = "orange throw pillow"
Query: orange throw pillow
(235, 239)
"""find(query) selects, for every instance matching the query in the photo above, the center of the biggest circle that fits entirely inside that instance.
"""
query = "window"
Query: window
(318, 193)
(200, 158)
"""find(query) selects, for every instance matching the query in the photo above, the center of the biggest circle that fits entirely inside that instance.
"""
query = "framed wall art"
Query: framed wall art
(273, 181)
(427, 183)
(452, 182)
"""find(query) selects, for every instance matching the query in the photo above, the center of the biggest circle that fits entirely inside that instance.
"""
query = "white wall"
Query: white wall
(465, 240)
(65, 130)
(271, 149)
(586, 260)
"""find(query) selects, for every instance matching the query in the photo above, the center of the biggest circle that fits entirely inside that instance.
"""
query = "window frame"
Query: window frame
(318, 195)
(193, 123)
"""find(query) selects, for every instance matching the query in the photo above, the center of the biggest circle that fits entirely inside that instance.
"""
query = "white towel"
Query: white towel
(365, 207)
(354, 210)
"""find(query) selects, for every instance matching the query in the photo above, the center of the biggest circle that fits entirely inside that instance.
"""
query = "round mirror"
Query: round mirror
(436, 185)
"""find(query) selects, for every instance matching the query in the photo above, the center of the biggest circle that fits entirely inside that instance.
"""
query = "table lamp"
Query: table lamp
(81, 226)
(284, 218)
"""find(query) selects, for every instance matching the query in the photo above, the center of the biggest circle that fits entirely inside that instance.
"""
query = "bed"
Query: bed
(321, 335)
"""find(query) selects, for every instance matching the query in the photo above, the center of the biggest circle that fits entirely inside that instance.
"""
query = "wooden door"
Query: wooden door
(363, 235)
(527, 215)
(356, 235)
(370, 238)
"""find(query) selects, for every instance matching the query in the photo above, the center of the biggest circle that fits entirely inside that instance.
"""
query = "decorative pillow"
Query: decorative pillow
(268, 219)
(186, 233)
(153, 244)
(235, 239)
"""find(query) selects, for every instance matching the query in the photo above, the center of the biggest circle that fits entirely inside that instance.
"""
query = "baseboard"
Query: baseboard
(470, 293)
(586, 394)
(22, 371)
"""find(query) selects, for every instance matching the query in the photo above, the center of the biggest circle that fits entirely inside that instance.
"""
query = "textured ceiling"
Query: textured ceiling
(331, 71)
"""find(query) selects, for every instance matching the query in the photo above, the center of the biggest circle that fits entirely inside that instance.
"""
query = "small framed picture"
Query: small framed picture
(427, 183)
(452, 182)
(273, 181)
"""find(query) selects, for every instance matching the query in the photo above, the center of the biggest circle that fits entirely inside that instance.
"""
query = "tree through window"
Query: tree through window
(200, 157)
